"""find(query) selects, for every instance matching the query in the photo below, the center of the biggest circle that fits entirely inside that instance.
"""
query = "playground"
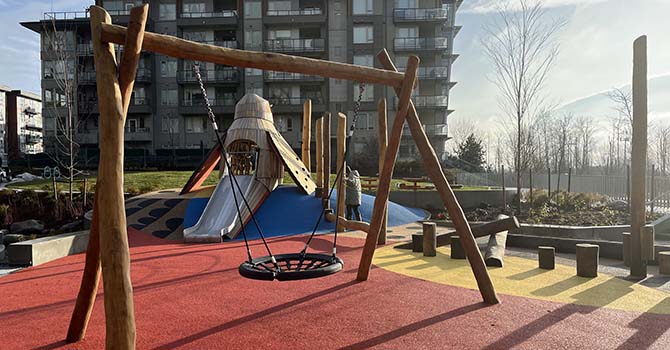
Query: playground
(252, 262)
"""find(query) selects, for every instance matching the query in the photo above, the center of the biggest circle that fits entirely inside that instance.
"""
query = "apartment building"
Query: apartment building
(167, 111)
(20, 124)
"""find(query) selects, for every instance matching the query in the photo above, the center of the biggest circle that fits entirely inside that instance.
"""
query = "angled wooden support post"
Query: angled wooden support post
(434, 170)
(318, 134)
(341, 164)
(383, 141)
(326, 160)
(92, 268)
(384, 187)
(306, 133)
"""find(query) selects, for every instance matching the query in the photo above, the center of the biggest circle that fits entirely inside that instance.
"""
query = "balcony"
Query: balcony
(85, 49)
(31, 125)
(225, 17)
(414, 44)
(426, 102)
(272, 76)
(279, 101)
(295, 45)
(140, 105)
(33, 139)
(431, 130)
(420, 14)
(224, 76)
(137, 134)
(432, 73)
(304, 15)
(143, 75)
(87, 136)
(197, 106)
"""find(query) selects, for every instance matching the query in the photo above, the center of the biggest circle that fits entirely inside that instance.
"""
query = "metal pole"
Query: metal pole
(504, 195)
(549, 182)
(530, 179)
(569, 178)
(652, 195)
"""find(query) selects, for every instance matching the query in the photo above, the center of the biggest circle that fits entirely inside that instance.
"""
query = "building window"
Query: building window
(194, 7)
(405, 4)
(170, 125)
(252, 9)
(167, 12)
(281, 6)
(169, 67)
(255, 90)
(364, 60)
(368, 93)
(253, 72)
(194, 125)
(284, 123)
(252, 38)
(365, 121)
(363, 34)
(363, 7)
(407, 32)
(169, 96)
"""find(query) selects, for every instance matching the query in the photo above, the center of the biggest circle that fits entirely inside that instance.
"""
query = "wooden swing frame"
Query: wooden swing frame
(115, 85)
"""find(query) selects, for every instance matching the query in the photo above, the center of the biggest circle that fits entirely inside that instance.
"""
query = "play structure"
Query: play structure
(108, 245)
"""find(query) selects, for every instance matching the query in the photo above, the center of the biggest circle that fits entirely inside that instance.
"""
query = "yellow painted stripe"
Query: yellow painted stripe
(522, 277)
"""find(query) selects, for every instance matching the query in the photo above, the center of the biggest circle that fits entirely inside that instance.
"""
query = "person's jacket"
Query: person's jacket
(353, 193)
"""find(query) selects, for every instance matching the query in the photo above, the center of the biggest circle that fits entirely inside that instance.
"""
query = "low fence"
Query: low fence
(613, 186)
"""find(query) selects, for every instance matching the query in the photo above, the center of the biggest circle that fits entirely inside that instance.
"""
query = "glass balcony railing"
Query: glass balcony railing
(420, 14)
(401, 44)
(218, 75)
(140, 101)
(433, 73)
(429, 129)
(287, 76)
(423, 101)
(299, 12)
(295, 45)
(85, 48)
(216, 102)
(134, 130)
(295, 100)
(231, 44)
(217, 14)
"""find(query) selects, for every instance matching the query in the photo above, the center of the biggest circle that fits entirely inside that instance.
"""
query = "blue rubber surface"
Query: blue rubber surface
(287, 211)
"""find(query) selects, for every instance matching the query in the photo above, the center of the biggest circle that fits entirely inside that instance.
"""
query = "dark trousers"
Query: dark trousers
(356, 212)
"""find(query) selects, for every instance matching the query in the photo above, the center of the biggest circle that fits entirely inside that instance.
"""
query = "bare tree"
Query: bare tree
(522, 47)
(459, 129)
(622, 123)
(60, 47)
(585, 138)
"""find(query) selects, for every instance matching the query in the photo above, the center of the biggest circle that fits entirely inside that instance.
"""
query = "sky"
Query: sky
(595, 56)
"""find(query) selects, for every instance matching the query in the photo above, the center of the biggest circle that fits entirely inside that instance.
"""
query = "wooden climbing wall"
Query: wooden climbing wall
(292, 163)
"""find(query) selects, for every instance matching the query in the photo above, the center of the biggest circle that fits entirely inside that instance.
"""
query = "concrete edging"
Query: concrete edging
(39, 251)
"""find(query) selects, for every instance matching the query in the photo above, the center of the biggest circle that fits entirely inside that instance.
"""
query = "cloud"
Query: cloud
(486, 6)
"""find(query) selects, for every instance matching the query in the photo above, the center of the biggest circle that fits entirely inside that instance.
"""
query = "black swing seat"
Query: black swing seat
(292, 267)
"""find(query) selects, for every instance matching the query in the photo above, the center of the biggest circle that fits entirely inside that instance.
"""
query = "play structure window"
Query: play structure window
(243, 157)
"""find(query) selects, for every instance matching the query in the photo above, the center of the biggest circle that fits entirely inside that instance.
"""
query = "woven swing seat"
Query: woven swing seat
(291, 267)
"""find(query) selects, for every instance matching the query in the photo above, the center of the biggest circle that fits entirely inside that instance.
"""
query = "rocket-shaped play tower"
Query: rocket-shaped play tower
(258, 156)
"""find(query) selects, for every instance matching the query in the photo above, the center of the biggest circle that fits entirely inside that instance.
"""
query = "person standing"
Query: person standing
(353, 195)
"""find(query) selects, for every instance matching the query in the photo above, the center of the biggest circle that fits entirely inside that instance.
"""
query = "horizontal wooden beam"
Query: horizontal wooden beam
(348, 224)
(185, 49)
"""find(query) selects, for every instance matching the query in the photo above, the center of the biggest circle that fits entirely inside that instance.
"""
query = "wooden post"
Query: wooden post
(119, 310)
(55, 187)
(502, 185)
(326, 160)
(434, 170)
(318, 129)
(341, 163)
(628, 185)
(569, 179)
(548, 182)
(638, 266)
(83, 199)
(384, 186)
(429, 239)
(546, 257)
(306, 133)
(382, 136)
(530, 178)
(652, 195)
(92, 268)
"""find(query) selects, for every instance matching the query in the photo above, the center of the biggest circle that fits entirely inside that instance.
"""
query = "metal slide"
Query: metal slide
(220, 216)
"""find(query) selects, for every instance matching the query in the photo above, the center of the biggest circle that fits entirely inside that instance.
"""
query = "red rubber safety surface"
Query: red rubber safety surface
(191, 297)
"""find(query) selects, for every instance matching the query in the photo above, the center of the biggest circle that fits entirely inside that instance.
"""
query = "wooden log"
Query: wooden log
(341, 163)
(638, 265)
(92, 267)
(587, 260)
(664, 263)
(457, 251)
(180, 48)
(546, 257)
(382, 138)
(348, 224)
(318, 129)
(429, 239)
(648, 241)
(626, 248)
(326, 160)
(306, 134)
(434, 170)
(503, 224)
(495, 249)
(89, 281)
(115, 257)
(384, 188)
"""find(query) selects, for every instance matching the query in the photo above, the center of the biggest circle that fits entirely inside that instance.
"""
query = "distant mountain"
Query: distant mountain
(600, 106)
